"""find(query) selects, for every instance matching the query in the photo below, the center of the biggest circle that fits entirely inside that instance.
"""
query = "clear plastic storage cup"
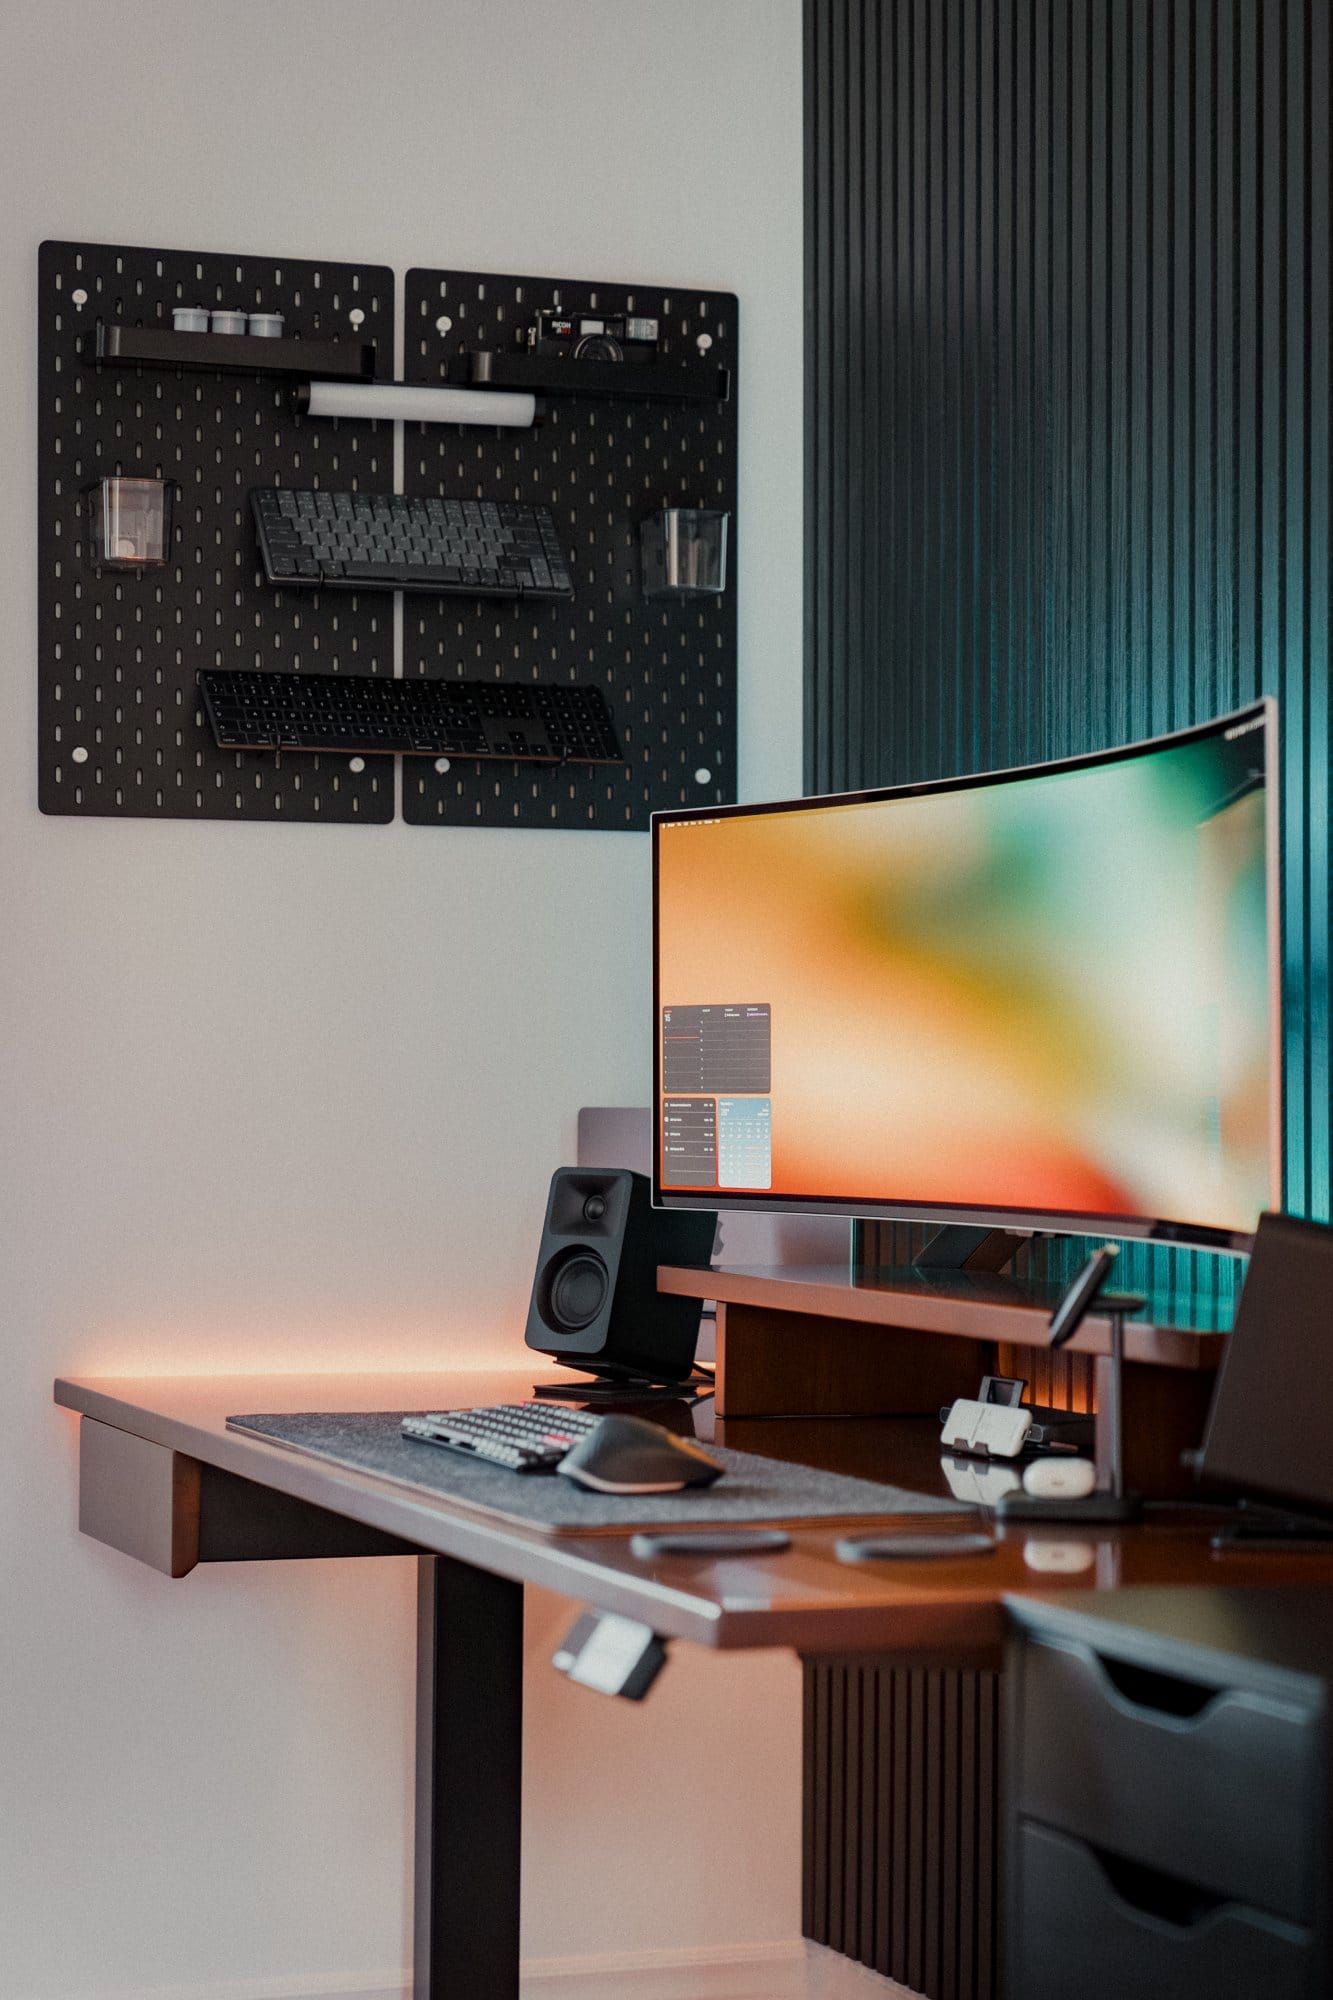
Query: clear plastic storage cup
(684, 552)
(129, 522)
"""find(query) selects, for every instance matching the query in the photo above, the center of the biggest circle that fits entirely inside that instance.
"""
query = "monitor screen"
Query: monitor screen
(1043, 997)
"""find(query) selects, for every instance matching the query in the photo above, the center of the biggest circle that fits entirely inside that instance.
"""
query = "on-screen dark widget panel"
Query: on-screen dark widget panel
(689, 1141)
(716, 1109)
(718, 1048)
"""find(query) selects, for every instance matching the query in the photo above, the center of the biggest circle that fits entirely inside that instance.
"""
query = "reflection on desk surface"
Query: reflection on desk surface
(903, 1451)
(897, 1451)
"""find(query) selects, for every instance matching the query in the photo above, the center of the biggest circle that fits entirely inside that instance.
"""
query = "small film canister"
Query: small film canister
(189, 319)
(267, 326)
(224, 320)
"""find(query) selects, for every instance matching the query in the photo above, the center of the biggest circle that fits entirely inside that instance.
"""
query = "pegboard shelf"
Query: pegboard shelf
(549, 375)
(233, 353)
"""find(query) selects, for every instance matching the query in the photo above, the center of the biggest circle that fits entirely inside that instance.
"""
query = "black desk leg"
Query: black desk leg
(469, 1782)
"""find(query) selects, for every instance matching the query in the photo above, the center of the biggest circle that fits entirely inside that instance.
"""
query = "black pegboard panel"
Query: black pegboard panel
(667, 669)
(121, 729)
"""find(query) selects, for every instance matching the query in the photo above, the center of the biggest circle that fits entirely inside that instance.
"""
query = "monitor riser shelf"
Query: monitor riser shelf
(813, 1340)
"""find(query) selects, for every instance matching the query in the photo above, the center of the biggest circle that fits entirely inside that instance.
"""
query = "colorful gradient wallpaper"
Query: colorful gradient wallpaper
(1051, 992)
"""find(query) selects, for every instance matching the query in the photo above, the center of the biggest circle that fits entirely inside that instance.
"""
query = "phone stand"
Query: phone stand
(1066, 1430)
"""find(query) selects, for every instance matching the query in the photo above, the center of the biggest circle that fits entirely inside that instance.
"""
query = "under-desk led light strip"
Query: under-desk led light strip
(401, 402)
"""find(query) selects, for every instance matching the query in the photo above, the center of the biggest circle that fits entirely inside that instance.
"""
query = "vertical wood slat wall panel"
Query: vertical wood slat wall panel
(1068, 421)
(1067, 485)
(909, 1882)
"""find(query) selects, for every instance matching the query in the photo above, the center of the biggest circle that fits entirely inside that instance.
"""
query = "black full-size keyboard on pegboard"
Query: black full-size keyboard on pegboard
(123, 726)
(373, 715)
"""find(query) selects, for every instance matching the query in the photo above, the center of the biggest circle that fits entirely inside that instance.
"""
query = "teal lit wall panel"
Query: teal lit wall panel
(1068, 420)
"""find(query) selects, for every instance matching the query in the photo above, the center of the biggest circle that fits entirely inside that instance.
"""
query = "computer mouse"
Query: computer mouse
(627, 1455)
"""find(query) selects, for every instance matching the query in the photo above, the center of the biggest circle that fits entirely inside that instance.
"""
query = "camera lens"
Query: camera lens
(598, 347)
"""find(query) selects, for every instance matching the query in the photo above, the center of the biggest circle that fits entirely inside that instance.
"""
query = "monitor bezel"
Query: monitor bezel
(1065, 1221)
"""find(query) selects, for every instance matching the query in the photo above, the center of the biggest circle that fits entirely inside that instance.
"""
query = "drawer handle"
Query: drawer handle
(1168, 1898)
(1163, 1693)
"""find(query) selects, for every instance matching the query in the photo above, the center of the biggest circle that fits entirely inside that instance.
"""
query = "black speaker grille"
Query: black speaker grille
(575, 1290)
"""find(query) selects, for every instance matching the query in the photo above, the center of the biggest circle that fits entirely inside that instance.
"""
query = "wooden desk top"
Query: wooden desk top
(803, 1597)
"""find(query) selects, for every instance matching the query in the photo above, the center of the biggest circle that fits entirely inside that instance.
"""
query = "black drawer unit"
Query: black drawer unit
(1169, 1795)
(1096, 1925)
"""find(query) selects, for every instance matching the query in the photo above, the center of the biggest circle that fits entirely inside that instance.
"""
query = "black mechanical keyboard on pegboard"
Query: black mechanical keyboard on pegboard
(374, 714)
(386, 541)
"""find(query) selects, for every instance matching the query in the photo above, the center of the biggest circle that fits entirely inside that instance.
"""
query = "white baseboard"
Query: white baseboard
(724, 1972)
(790, 1971)
(787, 1971)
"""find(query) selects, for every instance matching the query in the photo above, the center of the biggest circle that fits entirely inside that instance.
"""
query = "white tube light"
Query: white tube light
(401, 402)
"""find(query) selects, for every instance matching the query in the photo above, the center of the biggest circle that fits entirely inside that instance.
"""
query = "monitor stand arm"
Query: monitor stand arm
(957, 1247)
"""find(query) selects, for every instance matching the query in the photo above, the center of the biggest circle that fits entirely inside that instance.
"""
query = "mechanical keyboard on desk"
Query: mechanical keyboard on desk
(316, 540)
(522, 1437)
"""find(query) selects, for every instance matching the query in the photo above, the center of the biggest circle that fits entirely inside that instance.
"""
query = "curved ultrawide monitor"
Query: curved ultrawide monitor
(1041, 998)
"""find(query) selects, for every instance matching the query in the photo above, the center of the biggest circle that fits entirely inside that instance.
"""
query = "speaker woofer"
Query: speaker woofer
(573, 1290)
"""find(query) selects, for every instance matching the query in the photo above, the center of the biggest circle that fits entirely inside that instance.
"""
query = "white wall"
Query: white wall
(252, 1112)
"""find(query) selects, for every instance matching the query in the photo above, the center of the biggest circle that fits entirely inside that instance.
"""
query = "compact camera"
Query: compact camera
(589, 336)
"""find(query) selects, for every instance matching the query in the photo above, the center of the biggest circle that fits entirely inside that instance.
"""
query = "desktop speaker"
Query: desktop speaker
(595, 1302)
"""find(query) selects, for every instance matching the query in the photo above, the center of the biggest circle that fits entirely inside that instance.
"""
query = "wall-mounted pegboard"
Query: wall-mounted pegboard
(121, 729)
(600, 463)
(121, 726)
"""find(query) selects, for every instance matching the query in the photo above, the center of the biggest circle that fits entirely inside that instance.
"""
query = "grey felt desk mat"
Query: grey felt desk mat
(752, 1488)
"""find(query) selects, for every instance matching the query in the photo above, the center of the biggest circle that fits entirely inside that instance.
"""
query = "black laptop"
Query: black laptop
(1270, 1429)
